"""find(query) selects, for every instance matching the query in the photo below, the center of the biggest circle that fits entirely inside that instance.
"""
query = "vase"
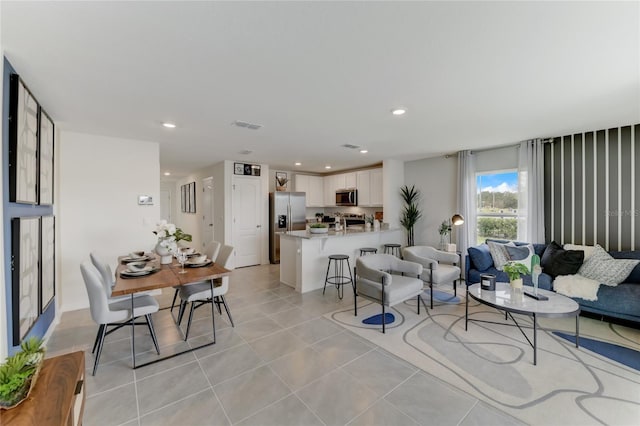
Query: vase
(165, 250)
(443, 242)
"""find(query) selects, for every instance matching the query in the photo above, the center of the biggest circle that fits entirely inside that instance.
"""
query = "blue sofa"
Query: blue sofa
(622, 301)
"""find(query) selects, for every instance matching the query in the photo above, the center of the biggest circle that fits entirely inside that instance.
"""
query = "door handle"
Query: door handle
(258, 226)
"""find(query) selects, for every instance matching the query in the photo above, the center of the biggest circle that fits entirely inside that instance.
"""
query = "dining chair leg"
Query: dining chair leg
(213, 317)
(153, 332)
(418, 304)
(186, 335)
(183, 306)
(102, 332)
(95, 344)
(173, 302)
(226, 308)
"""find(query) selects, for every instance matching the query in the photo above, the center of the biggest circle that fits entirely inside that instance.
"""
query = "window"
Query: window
(497, 205)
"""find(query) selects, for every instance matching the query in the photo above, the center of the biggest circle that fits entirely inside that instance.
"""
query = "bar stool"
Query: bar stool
(392, 248)
(368, 250)
(338, 279)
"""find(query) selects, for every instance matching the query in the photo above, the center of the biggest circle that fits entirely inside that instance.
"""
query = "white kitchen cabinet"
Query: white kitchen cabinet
(369, 185)
(315, 196)
(329, 191)
(339, 181)
(375, 188)
(363, 184)
(350, 180)
(313, 187)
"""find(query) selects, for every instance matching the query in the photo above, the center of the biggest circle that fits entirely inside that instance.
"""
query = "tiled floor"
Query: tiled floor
(282, 364)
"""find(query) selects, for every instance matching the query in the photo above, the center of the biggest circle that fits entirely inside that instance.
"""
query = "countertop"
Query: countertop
(333, 234)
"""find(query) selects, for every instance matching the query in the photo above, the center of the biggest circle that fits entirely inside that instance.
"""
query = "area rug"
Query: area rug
(621, 354)
(494, 362)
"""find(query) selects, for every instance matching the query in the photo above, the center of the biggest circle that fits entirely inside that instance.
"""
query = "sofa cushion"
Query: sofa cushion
(602, 267)
(634, 276)
(620, 301)
(480, 257)
(521, 254)
(558, 261)
(499, 253)
(588, 250)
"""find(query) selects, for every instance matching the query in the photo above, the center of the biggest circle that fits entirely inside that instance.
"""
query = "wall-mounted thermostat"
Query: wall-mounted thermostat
(145, 200)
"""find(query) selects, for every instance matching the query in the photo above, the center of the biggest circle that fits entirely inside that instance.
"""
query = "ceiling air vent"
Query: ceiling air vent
(350, 146)
(246, 125)
(246, 152)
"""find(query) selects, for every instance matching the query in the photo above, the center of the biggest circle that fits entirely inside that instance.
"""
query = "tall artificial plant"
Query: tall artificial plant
(411, 213)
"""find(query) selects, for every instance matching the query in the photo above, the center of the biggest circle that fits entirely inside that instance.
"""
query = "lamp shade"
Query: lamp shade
(457, 219)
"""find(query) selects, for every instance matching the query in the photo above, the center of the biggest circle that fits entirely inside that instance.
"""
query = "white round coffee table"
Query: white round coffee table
(503, 299)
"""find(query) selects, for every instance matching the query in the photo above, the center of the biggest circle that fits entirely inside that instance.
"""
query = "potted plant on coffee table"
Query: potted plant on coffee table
(515, 271)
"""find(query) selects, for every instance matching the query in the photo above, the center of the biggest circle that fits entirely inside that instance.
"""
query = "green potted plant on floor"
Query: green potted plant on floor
(411, 213)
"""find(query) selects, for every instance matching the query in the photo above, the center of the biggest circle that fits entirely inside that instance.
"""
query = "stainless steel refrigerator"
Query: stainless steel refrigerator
(286, 213)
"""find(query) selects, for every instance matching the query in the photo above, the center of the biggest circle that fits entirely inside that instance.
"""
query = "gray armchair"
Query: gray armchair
(439, 266)
(375, 282)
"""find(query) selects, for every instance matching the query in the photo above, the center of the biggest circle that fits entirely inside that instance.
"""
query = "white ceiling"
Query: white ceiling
(318, 75)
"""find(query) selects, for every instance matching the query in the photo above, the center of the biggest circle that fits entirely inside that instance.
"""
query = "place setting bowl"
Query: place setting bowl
(136, 256)
(198, 261)
(136, 269)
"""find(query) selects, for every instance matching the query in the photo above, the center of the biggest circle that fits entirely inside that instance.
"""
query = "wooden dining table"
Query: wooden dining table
(166, 276)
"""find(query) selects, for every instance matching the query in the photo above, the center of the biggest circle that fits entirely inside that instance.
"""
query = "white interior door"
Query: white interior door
(247, 220)
(207, 211)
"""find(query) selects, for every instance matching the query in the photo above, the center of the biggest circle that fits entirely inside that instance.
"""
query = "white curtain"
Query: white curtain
(467, 232)
(531, 191)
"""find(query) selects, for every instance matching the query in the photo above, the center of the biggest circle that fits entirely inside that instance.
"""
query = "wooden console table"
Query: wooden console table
(57, 398)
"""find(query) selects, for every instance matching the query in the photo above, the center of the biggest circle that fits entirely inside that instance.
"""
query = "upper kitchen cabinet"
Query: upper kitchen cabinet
(313, 187)
(344, 180)
(376, 187)
(369, 184)
(329, 191)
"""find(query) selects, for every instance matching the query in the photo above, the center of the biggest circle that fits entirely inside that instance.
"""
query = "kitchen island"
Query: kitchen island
(304, 256)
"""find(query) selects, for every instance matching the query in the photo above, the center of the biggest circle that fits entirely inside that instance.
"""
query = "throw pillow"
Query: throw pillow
(557, 261)
(521, 254)
(602, 267)
(481, 257)
(499, 254)
(588, 250)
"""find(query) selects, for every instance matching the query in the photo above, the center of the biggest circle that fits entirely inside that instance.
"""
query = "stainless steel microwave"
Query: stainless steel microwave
(347, 197)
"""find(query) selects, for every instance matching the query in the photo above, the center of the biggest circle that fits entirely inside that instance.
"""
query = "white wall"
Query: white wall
(392, 181)
(437, 180)
(100, 181)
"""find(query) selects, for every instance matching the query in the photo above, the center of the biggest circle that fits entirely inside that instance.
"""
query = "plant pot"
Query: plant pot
(22, 394)
(516, 283)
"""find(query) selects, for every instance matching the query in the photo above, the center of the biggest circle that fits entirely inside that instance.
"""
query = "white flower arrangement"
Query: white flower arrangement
(168, 234)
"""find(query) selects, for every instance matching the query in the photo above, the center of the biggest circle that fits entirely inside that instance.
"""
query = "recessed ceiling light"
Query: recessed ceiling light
(169, 125)
(327, 167)
(167, 173)
(364, 151)
(398, 111)
(298, 164)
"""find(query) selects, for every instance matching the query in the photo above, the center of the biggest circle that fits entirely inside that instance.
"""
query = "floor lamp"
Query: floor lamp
(456, 220)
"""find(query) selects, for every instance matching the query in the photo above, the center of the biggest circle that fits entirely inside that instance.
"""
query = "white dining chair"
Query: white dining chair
(199, 294)
(115, 314)
(440, 267)
(211, 250)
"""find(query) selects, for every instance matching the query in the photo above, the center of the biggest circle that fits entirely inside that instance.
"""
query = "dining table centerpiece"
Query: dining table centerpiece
(168, 237)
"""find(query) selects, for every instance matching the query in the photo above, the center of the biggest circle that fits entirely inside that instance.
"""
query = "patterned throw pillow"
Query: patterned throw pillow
(521, 254)
(499, 254)
(600, 266)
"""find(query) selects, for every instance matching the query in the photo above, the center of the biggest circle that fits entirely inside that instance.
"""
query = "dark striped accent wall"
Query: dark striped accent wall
(592, 193)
